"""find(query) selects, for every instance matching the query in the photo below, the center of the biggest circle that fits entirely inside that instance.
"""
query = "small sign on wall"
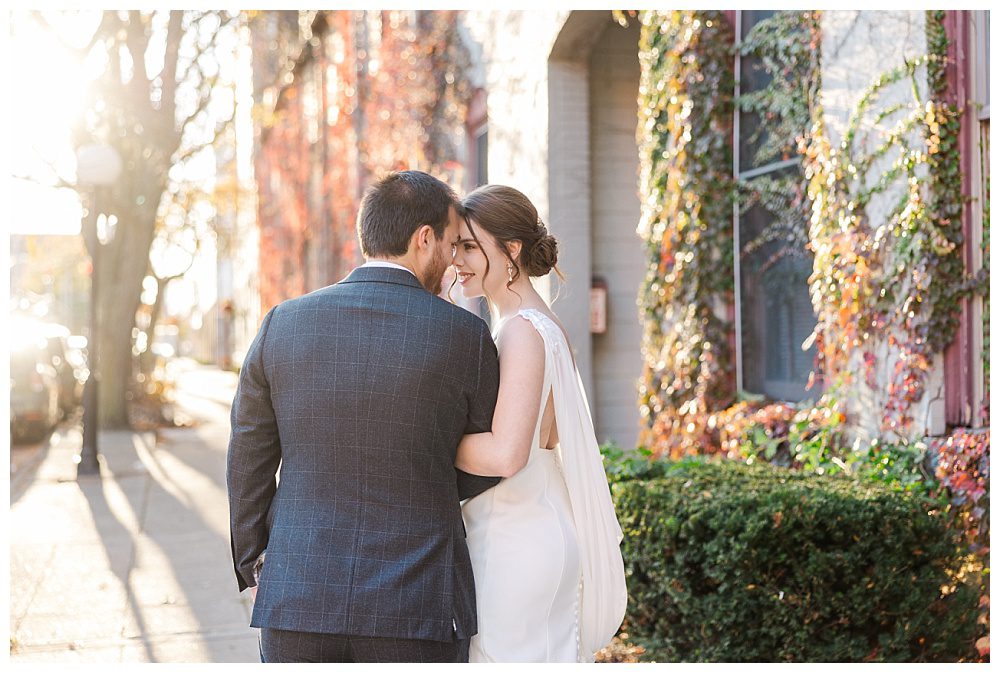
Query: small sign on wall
(598, 306)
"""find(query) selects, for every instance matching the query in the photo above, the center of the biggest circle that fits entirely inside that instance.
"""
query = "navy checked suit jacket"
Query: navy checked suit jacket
(361, 392)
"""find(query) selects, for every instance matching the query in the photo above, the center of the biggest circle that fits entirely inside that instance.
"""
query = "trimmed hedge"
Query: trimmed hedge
(730, 562)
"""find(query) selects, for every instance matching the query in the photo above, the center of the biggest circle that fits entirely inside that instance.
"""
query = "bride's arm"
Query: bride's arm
(504, 451)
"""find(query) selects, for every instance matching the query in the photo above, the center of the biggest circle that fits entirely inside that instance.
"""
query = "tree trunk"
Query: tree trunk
(122, 272)
(137, 113)
(147, 359)
(115, 367)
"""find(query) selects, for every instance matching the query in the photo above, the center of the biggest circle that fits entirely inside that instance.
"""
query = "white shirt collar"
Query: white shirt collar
(387, 265)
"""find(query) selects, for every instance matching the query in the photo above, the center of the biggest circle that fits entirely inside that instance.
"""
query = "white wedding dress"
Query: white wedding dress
(550, 581)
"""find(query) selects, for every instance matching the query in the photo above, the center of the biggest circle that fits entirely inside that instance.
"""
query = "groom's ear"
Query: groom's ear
(423, 237)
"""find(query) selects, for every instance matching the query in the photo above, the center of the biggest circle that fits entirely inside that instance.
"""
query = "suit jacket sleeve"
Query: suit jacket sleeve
(252, 461)
(482, 403)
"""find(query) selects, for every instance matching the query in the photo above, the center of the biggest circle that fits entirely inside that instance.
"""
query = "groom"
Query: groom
(361, 392)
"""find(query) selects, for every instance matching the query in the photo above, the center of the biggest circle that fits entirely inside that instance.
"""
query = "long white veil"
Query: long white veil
(598, 532)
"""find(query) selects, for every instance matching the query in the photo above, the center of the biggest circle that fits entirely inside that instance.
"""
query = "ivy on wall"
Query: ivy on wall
(685, 126)
(897, 280)
(356, 95)
(687, 187)
(885, 293)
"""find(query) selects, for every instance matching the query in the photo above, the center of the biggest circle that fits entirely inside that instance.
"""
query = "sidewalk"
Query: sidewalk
(133, 566)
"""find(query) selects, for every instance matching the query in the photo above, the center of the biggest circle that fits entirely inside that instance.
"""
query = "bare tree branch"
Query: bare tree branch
(145, 361)
(79, 52)
(136, 40)
(173, 237)
(205, 87)
(201, 50)
(219, 130)
(175, 32)
(203, 101)
(59, 182)
(115, 61)
(174, 276)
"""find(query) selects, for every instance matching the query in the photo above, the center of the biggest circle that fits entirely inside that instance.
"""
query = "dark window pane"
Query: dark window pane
(752, 78)
(751, 17)
(776, 311)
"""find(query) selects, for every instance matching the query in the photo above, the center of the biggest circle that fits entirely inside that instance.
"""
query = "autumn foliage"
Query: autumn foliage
(341, 102)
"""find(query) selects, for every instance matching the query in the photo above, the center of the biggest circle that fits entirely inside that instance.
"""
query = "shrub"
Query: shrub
(750, 563)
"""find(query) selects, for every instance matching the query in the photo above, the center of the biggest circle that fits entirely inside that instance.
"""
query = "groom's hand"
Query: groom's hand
(258, 568)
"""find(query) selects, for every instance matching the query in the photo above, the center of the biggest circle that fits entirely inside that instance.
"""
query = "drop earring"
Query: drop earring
(510, 272)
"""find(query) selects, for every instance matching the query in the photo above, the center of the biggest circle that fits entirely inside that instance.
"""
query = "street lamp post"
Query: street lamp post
(98, 166)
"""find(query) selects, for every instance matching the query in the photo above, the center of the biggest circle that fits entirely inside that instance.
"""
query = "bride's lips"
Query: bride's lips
(462, 277)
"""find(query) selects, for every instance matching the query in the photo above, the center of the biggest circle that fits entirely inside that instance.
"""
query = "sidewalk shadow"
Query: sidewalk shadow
(194, 551)
(112, 531)
(67, 432)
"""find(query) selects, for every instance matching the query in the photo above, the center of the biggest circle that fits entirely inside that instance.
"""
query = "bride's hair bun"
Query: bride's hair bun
(541, 256)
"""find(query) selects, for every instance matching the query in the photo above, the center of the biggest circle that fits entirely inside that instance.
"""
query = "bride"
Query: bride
(550, 581)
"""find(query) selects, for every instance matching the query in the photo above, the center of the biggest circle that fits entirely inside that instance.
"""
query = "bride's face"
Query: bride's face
(471, 260)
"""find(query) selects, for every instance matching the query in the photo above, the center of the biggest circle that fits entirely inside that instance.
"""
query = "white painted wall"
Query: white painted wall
(618, 255)
(515, 49)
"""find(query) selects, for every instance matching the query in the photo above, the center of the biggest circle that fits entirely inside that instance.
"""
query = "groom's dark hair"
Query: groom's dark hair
(399, 204)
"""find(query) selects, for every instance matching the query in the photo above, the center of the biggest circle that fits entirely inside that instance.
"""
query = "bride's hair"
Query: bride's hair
(508, 215)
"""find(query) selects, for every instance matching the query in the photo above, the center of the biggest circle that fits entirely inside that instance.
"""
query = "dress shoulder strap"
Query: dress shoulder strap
(551, 333)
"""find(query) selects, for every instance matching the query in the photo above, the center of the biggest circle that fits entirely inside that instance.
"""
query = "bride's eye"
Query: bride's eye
(469, 247)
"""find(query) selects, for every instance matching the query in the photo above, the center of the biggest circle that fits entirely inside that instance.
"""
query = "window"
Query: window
(477, 130)
(774, 313)
(478, 177)
(981, 44)
(480, 174)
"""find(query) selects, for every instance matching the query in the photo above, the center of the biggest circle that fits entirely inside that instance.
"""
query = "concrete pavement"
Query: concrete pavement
(133, 566)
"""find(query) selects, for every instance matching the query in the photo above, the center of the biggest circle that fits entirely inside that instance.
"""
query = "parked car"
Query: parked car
(45, 359)
(34, 390)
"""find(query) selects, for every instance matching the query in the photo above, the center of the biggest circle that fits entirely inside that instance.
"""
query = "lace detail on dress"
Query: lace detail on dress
(551, 333)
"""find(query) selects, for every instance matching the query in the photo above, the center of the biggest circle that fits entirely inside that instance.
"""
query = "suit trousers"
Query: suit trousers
(278, 646)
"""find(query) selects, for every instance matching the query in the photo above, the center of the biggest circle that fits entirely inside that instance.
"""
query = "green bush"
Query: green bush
(730, 562)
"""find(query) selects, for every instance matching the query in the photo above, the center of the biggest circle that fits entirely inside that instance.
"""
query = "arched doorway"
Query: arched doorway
(594, 208)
